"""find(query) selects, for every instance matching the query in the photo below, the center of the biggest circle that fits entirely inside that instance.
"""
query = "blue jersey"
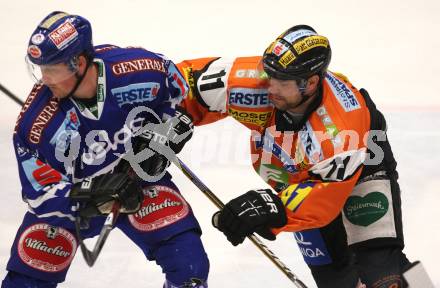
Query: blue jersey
(60, 142)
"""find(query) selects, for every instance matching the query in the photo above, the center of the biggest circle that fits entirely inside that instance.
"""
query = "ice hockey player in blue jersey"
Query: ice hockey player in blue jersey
(70, 137)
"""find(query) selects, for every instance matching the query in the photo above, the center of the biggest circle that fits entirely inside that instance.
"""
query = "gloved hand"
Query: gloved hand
(98, 194)
(156, 163)
(176, 138)
(183, 128)
(255, 211)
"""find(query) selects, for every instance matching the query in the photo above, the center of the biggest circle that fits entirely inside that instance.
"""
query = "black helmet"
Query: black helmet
(297, 54)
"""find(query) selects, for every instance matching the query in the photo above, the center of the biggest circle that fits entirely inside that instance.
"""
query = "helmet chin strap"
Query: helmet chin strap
(79, 79)
(302, 90)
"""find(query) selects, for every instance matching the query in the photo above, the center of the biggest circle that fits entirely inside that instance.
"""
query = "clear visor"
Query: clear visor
(51, 74)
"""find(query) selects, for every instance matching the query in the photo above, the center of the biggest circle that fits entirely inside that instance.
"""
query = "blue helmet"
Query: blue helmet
(59, 38)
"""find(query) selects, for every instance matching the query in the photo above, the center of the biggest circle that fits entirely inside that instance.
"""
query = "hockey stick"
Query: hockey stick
(11, 95)
(260, 245)
(90, 256)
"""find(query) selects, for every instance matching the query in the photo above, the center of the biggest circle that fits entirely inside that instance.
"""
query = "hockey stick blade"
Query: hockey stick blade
(90, 256)
(254, 239)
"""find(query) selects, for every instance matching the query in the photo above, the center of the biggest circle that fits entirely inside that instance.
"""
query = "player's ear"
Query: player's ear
(312, 82)
(82, 63)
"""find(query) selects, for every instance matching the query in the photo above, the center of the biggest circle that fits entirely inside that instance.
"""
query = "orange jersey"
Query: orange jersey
(313, 169)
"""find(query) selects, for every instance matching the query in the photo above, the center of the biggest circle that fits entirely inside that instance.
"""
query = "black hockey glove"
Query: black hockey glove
(255, 211)
(156, 163)
(183, 128)
(98, 194)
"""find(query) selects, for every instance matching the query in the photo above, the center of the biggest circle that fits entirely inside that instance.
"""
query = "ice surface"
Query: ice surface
(392, 52)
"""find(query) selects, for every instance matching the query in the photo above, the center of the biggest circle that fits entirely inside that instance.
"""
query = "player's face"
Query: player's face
(284, 94)
(59, 79)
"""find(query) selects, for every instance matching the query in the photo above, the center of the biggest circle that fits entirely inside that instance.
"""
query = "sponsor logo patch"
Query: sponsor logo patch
(279, 49)
(37, 39)
(40, 174)
(256, 118)
(295, 35)
(287, 58)
(269, 145)
(364, 211)
(27, 104)
(313, 247)
(243, 97)
(47, 248)
(310, 143)
(274, 173)
(189, 76)
(63, 35)
(309, 43)
(42, 119)
(68, 129)
(178, 80)
(21, 150)
(368, 212)
(49, 22)
(162, 206)
(248, 73)
(345, 96)
(136, 93)
(34, 51)
(136, 65)
(330, 127)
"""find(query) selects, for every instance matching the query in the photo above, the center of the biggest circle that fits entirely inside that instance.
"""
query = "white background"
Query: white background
(389, 47)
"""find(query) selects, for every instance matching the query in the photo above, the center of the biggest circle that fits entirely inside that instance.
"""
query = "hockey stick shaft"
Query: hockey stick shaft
(11, 95)
(254, 239)
(91, 256)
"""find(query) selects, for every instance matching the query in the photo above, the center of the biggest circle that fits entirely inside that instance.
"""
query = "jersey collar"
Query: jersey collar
(101, 91)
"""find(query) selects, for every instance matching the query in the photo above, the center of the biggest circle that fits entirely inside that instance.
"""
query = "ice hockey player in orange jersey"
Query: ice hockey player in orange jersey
(321, 144)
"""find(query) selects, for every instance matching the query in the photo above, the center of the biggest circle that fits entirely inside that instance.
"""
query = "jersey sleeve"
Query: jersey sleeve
(207, 97)
(220, 87)
(44, 189)
(315, 203)
(177, 89)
